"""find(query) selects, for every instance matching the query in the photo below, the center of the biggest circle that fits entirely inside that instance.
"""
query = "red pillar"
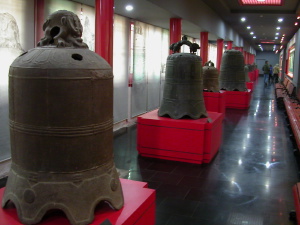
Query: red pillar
(175, 30)
(39, 7)
(204, 47)
(104, 29)
(229, 45)
(220, 43)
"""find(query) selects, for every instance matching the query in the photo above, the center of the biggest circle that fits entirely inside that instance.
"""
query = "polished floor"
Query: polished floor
(248, 183)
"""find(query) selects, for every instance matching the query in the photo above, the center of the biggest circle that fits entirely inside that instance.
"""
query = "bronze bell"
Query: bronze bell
(210, 77)
(232, 74)
(61, 126)
(246, 69)
(183, 84)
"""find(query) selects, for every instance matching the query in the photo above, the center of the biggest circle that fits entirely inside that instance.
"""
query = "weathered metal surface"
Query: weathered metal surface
(61, 120)
(183, 86)
(232, 74)
(210, 77)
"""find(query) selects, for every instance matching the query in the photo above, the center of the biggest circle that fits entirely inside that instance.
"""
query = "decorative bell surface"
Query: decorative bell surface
(183, 85)
(61, 104)
(246, 69)
(232, 75)
(210, 77)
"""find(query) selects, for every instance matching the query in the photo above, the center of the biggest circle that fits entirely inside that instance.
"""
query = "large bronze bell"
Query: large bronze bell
(61, 120)
(183, 84)
(210, 77)
(232, 74)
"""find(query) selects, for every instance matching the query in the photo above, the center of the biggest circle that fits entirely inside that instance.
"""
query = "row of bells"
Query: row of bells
(61, 120)
(186, 79)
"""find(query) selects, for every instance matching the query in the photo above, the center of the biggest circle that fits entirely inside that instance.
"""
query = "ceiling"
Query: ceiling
(262, 19)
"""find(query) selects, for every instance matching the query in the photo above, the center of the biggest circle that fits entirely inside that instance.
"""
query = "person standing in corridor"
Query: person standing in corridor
(266, 70)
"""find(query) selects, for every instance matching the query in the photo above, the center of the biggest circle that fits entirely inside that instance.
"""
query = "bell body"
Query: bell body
(210, 78)
(61, 120)
(183, 87)
(232, 74)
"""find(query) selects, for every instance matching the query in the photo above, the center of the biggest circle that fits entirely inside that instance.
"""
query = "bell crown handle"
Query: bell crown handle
(209, 63)
(175, 47)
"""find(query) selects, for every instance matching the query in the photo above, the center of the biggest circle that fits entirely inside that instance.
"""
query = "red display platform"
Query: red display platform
(238, 99)
(296, 194)
(186, 140)
(215, 101)
(250, 85)
(139, 209)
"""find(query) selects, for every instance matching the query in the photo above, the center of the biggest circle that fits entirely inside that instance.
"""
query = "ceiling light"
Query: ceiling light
(243, 19)
(296, 23)
(251, 32)
(261, 2)
(254, 37)
(248, 27)
(280, 20)
(276, 37)
(298, 17)
(129, 7)
(283, 35)
(277, 33)
(277, 28)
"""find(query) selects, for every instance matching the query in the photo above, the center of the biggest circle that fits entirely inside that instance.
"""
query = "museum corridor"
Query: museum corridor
(249, 181)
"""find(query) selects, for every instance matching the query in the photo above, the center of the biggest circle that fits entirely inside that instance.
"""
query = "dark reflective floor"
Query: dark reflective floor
(249, 182)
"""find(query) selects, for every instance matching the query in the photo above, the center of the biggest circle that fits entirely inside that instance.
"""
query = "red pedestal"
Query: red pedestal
(250, 85)
(296, 194)
(186, 140)
(139, 208)
(238, 99)
(215, 101)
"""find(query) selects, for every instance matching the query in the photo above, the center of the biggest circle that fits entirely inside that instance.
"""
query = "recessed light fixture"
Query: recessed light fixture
(243, 19)
(296, 23)
(283, 35)
(298, 17)
(251, 32)
(280, 20)
(248, 27)
(276, 37)
(277, 28)
(129, 7)
(277, 33)
(254, 37)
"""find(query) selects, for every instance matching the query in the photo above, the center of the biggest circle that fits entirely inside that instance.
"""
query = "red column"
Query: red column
(220, 43)
(229, 45)
(204, 47)
(175, 30)
(104, 29)
(39, 6)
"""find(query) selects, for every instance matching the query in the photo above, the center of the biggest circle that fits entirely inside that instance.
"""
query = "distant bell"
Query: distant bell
(183, 87)
(210, 77)
(61, 127)
(232, 72)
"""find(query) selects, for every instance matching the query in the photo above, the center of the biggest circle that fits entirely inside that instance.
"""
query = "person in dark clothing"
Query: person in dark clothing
(266, 70)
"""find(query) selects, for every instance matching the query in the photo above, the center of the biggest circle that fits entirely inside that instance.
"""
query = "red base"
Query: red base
(215, 101)
(139, 208)
(238, 99)
(250, 85)
(296, 194)
(186, 140)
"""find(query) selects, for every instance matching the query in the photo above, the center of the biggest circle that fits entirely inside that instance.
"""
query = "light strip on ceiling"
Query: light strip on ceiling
(261, 2)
